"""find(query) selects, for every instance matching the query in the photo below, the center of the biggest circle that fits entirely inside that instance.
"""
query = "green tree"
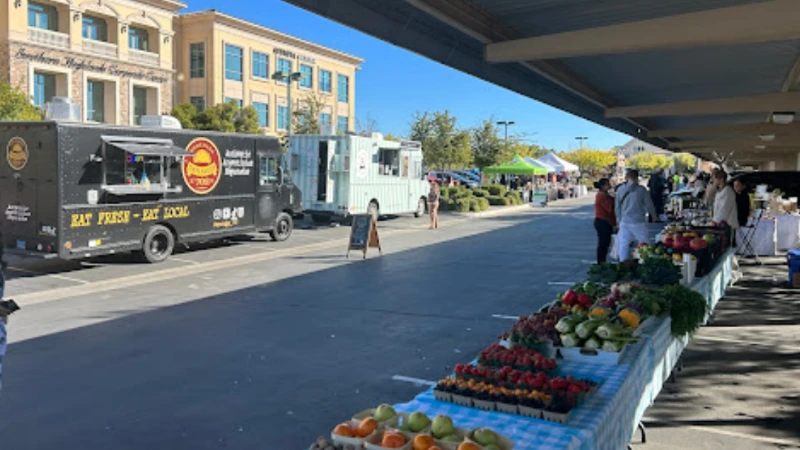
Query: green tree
(247, 121)
(219, 117)
(16, 105)
(391, 137)
(444, 146)
(685, 162)
(487, 147)
(649, 162)
(305, 119)
(186, 113)
(591, 160)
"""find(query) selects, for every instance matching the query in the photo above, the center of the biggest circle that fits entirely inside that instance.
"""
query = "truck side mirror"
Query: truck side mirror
(280, 175)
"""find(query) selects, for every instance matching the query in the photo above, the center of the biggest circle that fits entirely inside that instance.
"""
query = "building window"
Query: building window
(342, 124)
(325, 81)
(260, 65)
(95, 28)
(263, 114)
(197, 61)
(233, 63)
(95, 101)
(44, 88)
(138, 39)
(234, 100)
(324, 119)
(283, 117)
(284, 66)
(342, 88)
(42, 16)
(139, 104)
(307, 80)
(199, 103)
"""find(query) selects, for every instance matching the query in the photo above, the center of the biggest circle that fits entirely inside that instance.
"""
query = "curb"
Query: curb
(502, 210)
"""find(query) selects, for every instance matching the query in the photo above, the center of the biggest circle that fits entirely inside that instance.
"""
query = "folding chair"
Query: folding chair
(745, 247)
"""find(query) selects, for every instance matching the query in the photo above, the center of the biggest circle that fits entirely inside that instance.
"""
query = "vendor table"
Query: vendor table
(788, 231)
(609, 418)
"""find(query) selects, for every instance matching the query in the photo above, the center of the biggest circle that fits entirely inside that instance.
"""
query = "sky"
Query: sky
(393, 84)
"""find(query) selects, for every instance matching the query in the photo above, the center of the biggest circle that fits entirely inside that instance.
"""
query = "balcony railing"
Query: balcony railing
(100, 48)
(143, 57)
(47, 37)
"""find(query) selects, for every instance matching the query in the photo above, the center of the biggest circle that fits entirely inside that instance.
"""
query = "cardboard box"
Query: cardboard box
(796, 280)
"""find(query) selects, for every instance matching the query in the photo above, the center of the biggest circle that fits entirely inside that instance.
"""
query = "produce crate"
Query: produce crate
(357, 442)
(371, 413)
(486, 405)
(373, 442)
(507, 408)
(556, 417)
(594, 356)
(442, 396)
(461, 400)
(504, 442)
(460, 433)
(533, 413)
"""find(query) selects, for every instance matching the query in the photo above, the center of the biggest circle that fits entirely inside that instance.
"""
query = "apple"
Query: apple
(442, 426)
(418, 421)
(384, 412)
(451, 438)
(484, 436)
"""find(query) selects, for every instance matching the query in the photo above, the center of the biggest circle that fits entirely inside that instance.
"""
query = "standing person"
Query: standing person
(676, 181)
(711, 191)
(433, 204)
(604, 218)
(742, 202)
(656, 186)
(700, 186)
(725, 203)
(633, 203)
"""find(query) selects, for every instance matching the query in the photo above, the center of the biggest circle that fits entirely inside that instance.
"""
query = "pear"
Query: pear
(484, 436)
(418, 421)
(384, 412)
(442, 426)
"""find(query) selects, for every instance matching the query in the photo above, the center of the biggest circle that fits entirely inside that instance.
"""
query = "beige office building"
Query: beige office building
(123, 59)
(220, 58)
(114, 57)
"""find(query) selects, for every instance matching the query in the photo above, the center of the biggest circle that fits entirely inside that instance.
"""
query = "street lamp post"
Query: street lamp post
(581, 139)
(506, 124)
(288, 78)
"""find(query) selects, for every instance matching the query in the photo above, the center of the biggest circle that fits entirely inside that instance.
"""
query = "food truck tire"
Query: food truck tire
(283, 228)
(158, 244)
(421, 206)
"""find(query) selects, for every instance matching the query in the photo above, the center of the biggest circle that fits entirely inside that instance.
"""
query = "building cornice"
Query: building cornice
(258, 30)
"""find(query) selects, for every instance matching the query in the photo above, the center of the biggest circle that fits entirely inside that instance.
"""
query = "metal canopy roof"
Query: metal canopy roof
(671, 72)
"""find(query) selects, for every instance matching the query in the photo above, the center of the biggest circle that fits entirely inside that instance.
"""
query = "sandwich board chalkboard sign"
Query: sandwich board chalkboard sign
(363, 234)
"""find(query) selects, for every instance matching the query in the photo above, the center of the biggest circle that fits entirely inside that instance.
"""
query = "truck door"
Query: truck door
(268, 190)
(322, 171)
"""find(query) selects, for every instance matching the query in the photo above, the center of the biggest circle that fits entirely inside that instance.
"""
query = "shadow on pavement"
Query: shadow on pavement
(275, 365)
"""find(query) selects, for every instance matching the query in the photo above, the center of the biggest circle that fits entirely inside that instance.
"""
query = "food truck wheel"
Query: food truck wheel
(421, 205)
(374, 210)
(158, 244)
(283, 228)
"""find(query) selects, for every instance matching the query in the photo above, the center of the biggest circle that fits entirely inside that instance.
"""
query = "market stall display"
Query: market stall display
(577, 374)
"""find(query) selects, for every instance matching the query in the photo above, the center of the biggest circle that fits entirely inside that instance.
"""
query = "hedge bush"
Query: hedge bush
(480, 192)
(478, 204)
(496, 189)
(462, 205)
(496, 200)
(460, 192)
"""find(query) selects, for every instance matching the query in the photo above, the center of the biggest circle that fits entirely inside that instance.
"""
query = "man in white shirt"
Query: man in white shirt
(725, 209)
(633, 204)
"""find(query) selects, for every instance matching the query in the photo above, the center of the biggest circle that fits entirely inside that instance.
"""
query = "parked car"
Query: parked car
(469, 175)
(787, 181)
(441, 177)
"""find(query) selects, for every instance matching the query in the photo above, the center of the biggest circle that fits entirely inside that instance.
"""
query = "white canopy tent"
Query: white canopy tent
(560, 165)
(540, 163)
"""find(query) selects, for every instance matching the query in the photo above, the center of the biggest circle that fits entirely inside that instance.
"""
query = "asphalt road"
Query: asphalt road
(258, 345)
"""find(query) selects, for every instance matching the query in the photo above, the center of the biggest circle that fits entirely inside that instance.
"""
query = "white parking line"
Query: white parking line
(560, 283)
(53, 275)
(187, 261)
(416, 381)
(500, 316)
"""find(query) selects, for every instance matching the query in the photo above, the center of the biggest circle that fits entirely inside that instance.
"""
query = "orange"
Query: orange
(393, 440)
(344, 429)
(468, 446)
(423, 442)
(366, 427)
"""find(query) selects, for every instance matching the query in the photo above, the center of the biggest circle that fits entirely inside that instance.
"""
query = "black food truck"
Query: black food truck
(74, 190)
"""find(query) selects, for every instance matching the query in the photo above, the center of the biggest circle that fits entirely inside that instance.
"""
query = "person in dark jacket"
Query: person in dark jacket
(742, 202)
(656, 186)
(604, 218)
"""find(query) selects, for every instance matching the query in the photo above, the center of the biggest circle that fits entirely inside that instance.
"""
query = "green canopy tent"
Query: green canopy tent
(517, 166)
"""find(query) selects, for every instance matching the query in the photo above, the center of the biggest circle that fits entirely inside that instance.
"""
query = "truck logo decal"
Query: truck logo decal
(201, 171)
(17, 153)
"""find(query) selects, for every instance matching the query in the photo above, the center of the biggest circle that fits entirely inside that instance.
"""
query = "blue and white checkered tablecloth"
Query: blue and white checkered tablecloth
(609, 418)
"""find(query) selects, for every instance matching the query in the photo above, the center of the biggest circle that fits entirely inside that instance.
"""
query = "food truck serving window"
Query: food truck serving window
(389, 162)
(136, 166)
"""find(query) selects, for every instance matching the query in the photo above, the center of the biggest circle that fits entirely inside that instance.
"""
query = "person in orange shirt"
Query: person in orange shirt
(604, 218)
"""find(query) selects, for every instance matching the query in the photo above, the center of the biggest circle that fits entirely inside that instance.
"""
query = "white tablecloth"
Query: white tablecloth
(765, 241)
(788, 231)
